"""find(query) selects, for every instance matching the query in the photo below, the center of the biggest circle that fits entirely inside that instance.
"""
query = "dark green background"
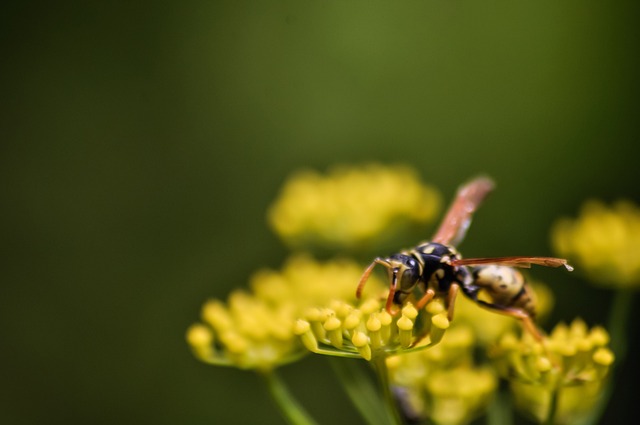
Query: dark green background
(142, 143)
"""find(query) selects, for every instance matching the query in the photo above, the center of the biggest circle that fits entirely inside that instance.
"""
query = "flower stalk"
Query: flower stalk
(380, 366)
(360, 390)
(289, 407)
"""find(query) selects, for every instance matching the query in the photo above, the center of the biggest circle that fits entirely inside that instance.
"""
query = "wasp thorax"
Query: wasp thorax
(438, 270)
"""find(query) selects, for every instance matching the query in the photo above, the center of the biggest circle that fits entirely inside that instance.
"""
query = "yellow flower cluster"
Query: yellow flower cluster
(569, 368)
(309, 306)
(350, 205)
(604, 242)
(443, 383)
(254, 330)
(367, 331)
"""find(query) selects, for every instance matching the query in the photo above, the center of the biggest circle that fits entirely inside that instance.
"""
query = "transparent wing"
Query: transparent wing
(457, 220)
(525, 262)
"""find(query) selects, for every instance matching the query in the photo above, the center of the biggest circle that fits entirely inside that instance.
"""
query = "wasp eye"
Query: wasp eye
(411, 263)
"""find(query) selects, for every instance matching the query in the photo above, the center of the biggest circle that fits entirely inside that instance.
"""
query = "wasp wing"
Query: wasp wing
(524, 262)
(457, 220)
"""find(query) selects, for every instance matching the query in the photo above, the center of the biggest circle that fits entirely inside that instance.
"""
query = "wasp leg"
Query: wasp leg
(389, 306)
(451, 300)
(527, 322)
(392, 293)
(367, 273)
(428, 296)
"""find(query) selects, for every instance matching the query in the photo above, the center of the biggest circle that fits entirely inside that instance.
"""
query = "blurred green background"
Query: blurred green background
(143, 142)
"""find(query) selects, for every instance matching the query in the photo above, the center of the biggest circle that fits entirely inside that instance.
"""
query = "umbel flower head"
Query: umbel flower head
(367, 331)
(604, 242)
(350, 205)
(254, 329)
(571, 367)
(443, 383)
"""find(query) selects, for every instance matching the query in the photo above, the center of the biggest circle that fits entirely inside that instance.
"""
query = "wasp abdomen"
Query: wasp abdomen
(506, 286)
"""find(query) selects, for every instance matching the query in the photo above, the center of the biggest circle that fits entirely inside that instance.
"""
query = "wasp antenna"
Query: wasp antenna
(364, 278)
(367, 273)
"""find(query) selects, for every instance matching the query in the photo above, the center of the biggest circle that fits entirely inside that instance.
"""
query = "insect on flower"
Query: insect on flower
(436, 267)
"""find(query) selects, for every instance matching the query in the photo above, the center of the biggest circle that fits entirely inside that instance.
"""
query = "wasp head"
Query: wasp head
(404, 273)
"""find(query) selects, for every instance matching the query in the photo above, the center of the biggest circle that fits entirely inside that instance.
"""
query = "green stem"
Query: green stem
(553, 406)
(292, 411)
(358, 387)
(380, 366)
(499, 412)
(619, 314)
(618, 319)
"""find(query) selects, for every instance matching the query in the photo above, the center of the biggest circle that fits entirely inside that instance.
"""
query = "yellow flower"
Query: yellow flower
(570, 367)
(350, 205)
(254, 330)
(603, 242)
(367, 331)
(443, 383)
(458, 395)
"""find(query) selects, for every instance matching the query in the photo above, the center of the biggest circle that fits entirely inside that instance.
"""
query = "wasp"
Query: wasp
(437, 268)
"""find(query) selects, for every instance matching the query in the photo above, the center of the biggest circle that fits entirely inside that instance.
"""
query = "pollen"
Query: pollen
(410, 311)
(361, 342)
(604, 357)
(334, 331)
(405, 327)
(599, 336)
(435, 307)
(543, 364)
(352, 320)
(405, 324)
(200, 339)
(373, 324)
(441, 321)
(198, 335)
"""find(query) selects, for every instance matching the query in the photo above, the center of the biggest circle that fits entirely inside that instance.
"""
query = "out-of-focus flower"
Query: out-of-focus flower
(443, 383)
(458, 395)
(367, 331)
(350, 205)
(603, 242)
(254, 330)
(488, 326)
(564, 377)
